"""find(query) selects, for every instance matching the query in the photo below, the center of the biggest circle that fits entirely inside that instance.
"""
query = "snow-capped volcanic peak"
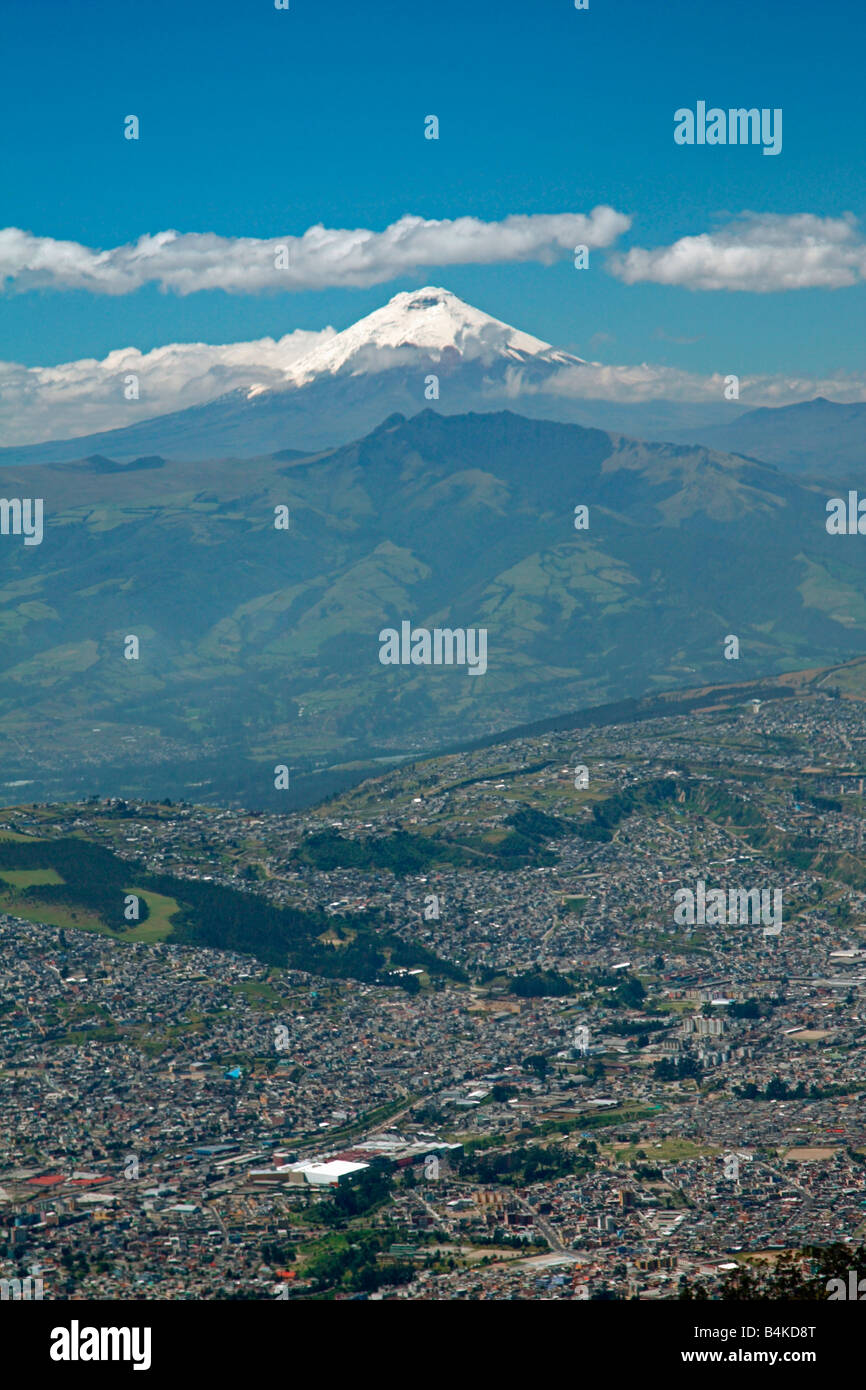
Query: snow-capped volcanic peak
(429, 322)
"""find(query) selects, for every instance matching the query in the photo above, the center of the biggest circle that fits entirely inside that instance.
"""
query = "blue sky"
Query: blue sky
(260, 123)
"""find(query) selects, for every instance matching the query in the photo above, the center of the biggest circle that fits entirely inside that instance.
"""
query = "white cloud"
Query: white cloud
(759, 252)
(87, 396)
(322, 257)
(84, 397)
(645, 382)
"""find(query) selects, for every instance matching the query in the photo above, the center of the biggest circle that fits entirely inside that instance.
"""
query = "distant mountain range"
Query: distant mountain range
(260, 646)
(820, 438)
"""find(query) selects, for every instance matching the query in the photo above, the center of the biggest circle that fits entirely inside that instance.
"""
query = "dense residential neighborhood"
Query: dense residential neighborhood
(572, 1095)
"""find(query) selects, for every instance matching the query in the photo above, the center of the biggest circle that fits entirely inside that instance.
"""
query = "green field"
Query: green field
(45, 914)
(668, 1150)
(259, 992)
(28, 878)
(159, 924)
(156, 926)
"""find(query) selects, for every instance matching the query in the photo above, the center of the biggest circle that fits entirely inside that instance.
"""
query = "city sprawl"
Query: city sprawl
(513, 1073)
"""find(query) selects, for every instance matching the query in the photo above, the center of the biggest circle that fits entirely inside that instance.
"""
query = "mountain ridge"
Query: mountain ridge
(260, 646)
(814, 438)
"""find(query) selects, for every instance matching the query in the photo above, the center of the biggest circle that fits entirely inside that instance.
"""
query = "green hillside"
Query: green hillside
(260, 646)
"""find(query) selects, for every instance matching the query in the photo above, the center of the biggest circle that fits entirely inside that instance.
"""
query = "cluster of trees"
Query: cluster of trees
(777, 1089)
(720, 805)
(624, 991)
(74, 1262)
(521, 1166)
(607, 814)
(538, 1063)
(629, 993)
(403, 852)
(751, 1008)
(796, 1275)
(647, 1172)
(357, 1195)
(642, 1031)
(227, 920)
(222, 918)
(678, 1069)
(516, 851)
(278, 1254)
(94, 879)
(408, 954)
(538, 983)
(357, 1268)
(536, 825)
(525, 842)
(826, 803)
